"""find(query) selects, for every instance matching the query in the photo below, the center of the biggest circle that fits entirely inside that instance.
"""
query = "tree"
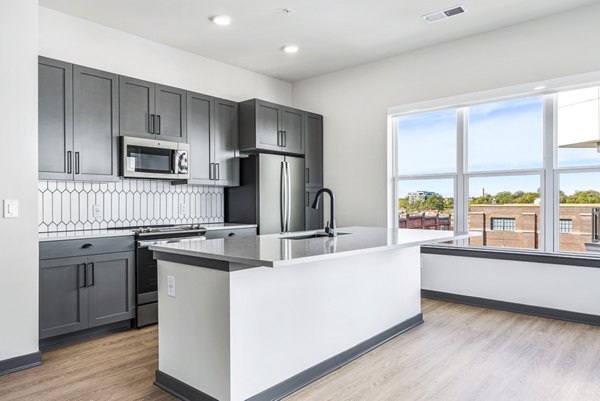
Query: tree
(528, 197)
(435, 202)
(504, 197)
(588, 196)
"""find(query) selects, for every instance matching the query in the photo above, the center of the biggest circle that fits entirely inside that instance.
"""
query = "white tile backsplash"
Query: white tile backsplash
(68, 205)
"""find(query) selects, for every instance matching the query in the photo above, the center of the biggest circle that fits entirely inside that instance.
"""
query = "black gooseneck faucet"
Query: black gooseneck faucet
(330, 228)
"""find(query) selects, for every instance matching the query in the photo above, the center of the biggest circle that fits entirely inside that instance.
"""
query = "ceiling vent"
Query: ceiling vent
(449, 12)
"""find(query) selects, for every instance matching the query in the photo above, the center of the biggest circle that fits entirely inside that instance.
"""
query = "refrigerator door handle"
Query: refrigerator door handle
(282, 203)
(289, 196)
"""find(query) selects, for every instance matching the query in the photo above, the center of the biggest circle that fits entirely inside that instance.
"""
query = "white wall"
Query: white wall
(354, 101)
(18, 178)
(570, 288)
(79, 41)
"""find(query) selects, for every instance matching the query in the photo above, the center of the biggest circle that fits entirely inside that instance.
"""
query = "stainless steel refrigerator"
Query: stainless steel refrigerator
(271, 194)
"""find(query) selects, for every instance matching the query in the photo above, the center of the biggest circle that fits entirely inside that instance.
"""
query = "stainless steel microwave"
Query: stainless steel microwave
(149, 158)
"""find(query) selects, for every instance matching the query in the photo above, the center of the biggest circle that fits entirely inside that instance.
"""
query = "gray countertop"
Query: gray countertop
(69, 235)
(275, 250)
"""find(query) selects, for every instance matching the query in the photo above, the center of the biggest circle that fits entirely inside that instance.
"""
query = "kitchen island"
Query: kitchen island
(259, 317)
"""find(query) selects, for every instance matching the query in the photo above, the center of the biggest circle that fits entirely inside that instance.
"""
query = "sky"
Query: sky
(504, 135)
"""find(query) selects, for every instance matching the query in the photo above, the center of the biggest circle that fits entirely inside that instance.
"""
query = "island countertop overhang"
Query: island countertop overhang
(277, 250)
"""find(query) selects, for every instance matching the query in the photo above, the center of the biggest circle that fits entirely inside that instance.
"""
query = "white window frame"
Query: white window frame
(549, 173)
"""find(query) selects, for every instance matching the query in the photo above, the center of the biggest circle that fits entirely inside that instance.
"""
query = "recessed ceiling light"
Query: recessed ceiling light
(539, 88)
(222, 20)
(290, 48)
(442, 14)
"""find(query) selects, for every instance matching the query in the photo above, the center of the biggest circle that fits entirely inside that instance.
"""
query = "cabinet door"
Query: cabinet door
(200, 110)
(111, 288)
(293, 127)
(170, 114)
(314, 150)
(225, 141)
(267, 125)
(55, 114)
(136, 107)
(63, 296)
(95, 124)
(314, 217)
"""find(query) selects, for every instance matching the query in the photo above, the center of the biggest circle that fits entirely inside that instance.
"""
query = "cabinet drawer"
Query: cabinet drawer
(239, 232)
(84, 247)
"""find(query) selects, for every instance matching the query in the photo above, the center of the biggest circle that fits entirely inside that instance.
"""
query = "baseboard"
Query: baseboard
(179, 389)
(84, 335)
(20, 362)
(295, 383)
(539, 311)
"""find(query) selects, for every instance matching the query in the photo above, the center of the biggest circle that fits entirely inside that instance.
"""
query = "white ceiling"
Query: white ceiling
(332, 34)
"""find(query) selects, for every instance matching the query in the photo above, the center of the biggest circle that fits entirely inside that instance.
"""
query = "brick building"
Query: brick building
(518, 226)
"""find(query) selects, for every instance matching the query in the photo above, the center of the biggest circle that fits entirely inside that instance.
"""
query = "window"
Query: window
(565, 225)
(503, 224)
(489, 168)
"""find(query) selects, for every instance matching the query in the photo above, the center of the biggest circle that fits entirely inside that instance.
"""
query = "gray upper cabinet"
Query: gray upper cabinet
(293, 126)
(170, 113)
(200, 112)
(136, 111)
(212, 126)
(78, 122)
(63, 296)
(271, 127)
(225, 141)
(150, 110)
(55, 119)
(95, 124)
(111, 296)
(314, 150)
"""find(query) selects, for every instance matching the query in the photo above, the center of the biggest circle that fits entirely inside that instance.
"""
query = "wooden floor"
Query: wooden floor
(459, 353)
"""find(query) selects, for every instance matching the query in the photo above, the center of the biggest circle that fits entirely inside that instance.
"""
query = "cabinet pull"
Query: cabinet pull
(82, 275)
(278, 136)
(69, 162)
(231, 235)
(157, 124)
(284, 138)
(210, 173)
(87, 246)
(91, 275)
(307, 199)
(151, 124)
(76, 162)
(218, 165)
(307, 180)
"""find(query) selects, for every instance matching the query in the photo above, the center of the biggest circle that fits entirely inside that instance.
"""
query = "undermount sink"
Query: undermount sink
(309, 236)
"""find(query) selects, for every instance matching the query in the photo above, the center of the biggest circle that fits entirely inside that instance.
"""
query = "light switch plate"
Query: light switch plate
(11, 208)
(171, 286)
(183, 209)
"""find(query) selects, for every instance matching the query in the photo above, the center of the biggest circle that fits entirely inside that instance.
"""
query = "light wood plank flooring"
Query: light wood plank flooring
(460, 353)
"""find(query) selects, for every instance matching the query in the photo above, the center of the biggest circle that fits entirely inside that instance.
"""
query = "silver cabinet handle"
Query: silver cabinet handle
(151, 124)
(210, 171)
(157, 124)
(218, 171)
(69, 162)
(284, 139)
(82, 275)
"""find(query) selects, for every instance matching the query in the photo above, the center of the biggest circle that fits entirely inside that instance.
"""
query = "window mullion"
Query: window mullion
(549, 190)
(461, 197)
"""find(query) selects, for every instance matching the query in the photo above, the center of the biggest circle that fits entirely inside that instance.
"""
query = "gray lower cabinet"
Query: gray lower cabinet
(78, 122)
(314, 151)
(314, 217)
(271, 127)
(212, 125)
(55, 116)
(80, 289)
(63, 296)
(111, 293)
(150, 110)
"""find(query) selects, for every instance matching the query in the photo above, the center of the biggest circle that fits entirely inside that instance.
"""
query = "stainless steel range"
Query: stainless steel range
(146, 265)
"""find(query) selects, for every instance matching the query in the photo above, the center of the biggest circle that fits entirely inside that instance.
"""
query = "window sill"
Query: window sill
(569, 259)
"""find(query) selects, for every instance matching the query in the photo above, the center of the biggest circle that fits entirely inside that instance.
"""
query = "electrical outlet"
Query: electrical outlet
(11, 208)
(171, 286)
(97, 212)
(183, 209)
